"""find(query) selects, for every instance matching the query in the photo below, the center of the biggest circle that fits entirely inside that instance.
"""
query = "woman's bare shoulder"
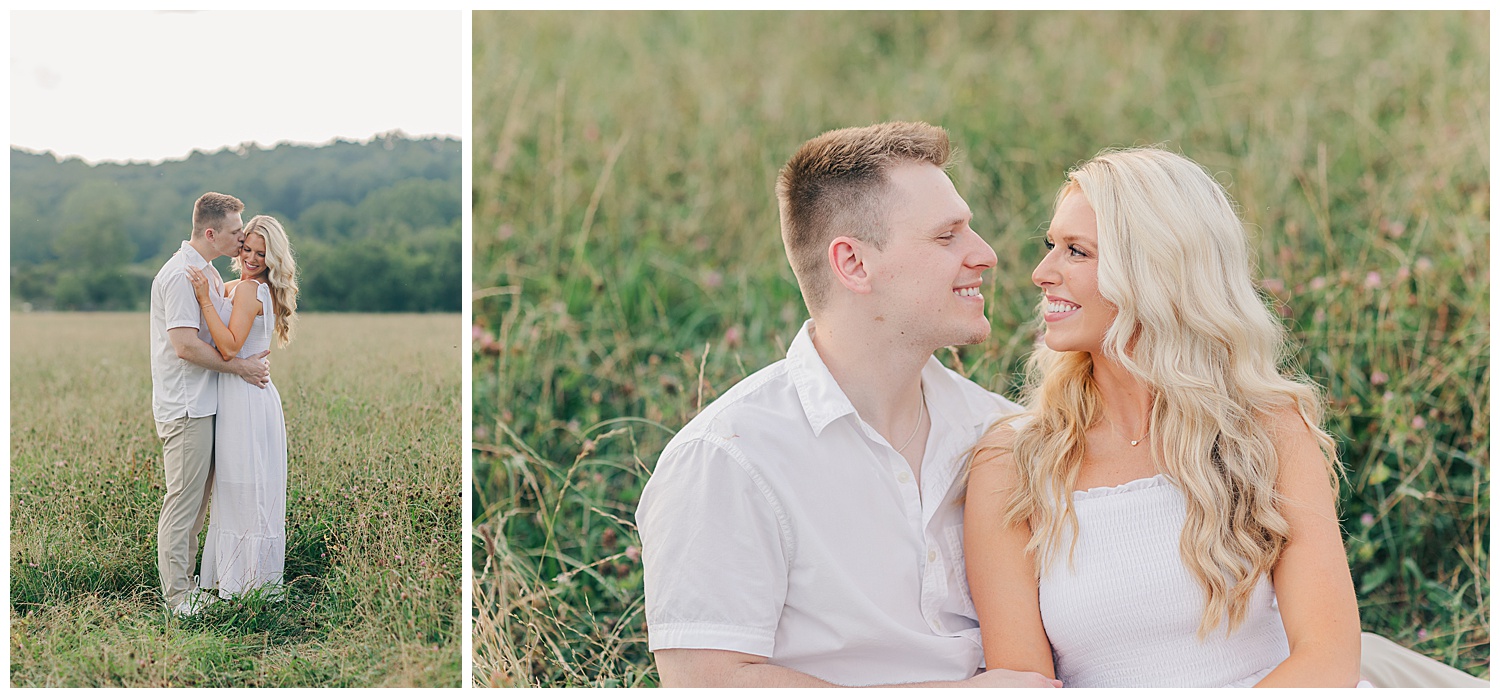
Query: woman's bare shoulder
(1000, 437)
(248, 296)
(1304, 465)
(993, 461)
(1289, 427)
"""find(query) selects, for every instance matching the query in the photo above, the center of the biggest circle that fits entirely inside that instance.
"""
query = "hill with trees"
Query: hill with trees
(376, 226)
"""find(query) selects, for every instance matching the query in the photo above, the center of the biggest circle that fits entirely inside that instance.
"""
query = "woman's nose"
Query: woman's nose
(1044, 274)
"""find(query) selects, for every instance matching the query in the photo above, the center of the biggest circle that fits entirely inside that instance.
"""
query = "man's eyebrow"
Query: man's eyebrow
(960, 220)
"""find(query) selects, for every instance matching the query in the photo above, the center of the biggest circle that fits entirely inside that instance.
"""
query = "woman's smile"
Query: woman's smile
(1057, 309)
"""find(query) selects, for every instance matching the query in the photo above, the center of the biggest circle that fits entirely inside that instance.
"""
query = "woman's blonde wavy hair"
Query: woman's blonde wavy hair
(1174, 261)
(281, 274)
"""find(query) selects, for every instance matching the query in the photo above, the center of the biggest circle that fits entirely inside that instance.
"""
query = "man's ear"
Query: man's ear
(846, 257)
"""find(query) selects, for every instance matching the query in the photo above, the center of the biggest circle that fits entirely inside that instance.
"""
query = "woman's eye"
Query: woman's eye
(1074, 251)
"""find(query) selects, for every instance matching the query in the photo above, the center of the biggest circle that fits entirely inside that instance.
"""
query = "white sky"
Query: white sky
(141, 85)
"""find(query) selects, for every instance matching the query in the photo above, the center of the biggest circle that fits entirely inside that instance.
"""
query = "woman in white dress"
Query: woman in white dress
(1169, 488)
(245, 548)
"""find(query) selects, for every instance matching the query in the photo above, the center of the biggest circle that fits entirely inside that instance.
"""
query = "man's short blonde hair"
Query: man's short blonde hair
(834, 186)
(211, 209)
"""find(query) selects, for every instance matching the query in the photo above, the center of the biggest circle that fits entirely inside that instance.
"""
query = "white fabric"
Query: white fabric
(780, 524)
(246, 543)
(1127, 612)
(180, 388)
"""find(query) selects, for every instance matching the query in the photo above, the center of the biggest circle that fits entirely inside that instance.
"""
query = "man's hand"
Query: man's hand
(1005, 678)
(255, 370)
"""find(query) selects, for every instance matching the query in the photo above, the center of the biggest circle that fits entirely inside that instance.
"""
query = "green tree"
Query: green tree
(94, 248)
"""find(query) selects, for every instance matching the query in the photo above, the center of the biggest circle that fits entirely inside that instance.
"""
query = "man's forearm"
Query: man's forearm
(773, 676)
(199, 353)
(754, 675)
(770, 676)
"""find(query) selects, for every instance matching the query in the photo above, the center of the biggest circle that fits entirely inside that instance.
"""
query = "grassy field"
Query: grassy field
(628, 267)
(372, 404)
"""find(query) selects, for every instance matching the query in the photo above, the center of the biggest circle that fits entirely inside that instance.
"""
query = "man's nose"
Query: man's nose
(983, 256)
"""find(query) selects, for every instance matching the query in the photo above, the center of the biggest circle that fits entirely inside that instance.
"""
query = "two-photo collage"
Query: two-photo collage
(631, 349)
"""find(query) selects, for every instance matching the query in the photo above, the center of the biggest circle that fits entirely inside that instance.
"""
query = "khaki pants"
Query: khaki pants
(188, 458)
(1389, 665)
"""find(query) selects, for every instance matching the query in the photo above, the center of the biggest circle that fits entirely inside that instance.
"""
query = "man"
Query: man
(804, 529)
(184, 392)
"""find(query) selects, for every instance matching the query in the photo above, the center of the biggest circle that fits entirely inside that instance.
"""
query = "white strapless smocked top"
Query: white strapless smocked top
(1127, 611)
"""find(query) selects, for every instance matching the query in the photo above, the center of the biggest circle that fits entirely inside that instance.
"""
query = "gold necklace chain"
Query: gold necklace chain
(1133, 442)
(921, 412)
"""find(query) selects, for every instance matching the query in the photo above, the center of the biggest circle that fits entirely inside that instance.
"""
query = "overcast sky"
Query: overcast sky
(153, 86)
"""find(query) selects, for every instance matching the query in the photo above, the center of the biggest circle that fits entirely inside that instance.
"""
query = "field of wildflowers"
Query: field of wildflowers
(373, 567)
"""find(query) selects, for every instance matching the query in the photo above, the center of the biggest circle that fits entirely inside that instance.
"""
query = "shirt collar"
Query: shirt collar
(823, 401)
(191, 256)
(958, 420)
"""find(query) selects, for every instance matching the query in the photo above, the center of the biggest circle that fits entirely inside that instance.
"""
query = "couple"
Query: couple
(217, 412)
(1161, 511)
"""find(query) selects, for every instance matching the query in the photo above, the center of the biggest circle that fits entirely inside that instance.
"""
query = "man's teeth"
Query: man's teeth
(967, 292)
(1061, 306)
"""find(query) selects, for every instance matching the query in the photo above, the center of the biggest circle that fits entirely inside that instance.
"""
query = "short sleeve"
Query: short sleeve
(180, 304)
(714, 552)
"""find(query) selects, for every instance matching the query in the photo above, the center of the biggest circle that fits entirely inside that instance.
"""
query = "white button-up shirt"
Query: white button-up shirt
(180, 388)
(778, 523)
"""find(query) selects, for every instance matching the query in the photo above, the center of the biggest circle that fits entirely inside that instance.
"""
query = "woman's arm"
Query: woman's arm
(227, 340)
(1001, 575)
(1313, 588)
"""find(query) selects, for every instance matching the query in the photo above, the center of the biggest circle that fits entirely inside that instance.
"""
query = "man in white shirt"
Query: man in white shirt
(805, 528)
(184, 391)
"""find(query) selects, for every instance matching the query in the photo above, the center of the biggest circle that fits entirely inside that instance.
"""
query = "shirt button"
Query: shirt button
(932, 556)
(903, 477)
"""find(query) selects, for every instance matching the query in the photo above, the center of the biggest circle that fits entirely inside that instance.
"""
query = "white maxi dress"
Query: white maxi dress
(246, 544)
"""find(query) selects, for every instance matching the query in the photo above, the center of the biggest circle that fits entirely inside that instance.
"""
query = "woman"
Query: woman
(246, 544)
(1168, 486)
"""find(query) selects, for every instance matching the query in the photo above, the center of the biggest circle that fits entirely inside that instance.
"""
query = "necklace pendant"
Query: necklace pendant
(1135, 442)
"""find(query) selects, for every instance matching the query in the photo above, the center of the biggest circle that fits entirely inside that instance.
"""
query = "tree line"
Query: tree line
(375, 227)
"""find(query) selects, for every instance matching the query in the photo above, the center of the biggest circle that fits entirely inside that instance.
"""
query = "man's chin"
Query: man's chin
(976, 336)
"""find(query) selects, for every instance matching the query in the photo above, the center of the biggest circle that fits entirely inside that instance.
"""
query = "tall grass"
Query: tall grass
(628, 267)
(373, 501)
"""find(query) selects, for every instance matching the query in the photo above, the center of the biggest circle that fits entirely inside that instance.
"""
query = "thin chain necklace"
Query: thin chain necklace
(921, 412)
(1133, 442)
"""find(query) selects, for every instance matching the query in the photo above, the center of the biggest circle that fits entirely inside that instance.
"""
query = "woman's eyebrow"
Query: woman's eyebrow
(1068, 238)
